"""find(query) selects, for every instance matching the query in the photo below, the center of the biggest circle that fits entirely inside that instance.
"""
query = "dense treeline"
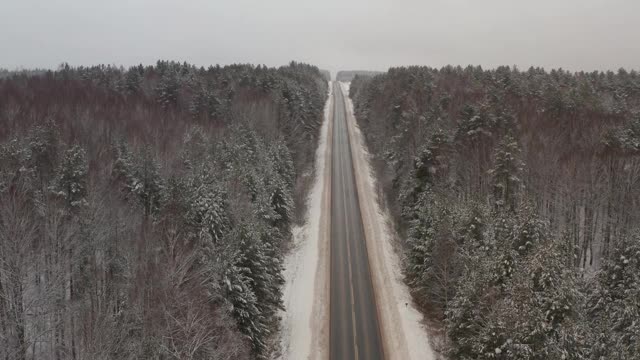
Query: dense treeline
(516, 193)
(144, 212)
(348, 75)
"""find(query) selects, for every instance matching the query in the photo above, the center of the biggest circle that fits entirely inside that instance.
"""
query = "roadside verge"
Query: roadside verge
(403, 335)
(305, 321)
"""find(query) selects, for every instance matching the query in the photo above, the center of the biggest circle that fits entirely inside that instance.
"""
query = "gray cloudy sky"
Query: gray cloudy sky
(333, 34)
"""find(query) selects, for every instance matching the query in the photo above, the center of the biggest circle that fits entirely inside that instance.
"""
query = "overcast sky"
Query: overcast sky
(333, 34)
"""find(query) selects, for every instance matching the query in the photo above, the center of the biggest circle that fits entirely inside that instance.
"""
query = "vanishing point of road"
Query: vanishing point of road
(354, 327)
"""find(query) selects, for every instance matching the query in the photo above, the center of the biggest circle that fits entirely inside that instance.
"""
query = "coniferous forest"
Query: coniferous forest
(144, 212)
(515, 194)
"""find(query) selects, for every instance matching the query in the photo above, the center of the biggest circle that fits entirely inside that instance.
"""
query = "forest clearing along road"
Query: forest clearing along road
(344, 293)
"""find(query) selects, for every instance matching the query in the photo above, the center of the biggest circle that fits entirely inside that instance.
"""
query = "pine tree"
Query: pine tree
(282, 205)
(168, 89)
(471, 234)
(147, 183)
(44, 143)
(426, 169)
(139, 176)
(474, 125)
(208, 212)
(262, 270)
(505, 175)
(283, 162)
(467, 313)
(529, 231)
(133, 80)
(71, 181)
(12, 158)
(615, 304)
(421, 241)
(194, 147)
(417, 184)
(122, 171)
(206, 103)
(244, 303)
(532, 314)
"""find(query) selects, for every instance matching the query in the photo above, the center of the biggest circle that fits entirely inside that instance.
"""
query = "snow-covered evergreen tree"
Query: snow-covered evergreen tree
(467, 312)
(139, 176)
(133, 80)
(283, 162)
(44, 144)
(531, 314)
(259, 267)
(528, 231)
(614, 304)
(206, 103)
(194, 147)
(208, 211)
(13, 156)
(506, 173)
(147, 182)
(472, 228)
(168, 89)
(122, 170)
(238, 291)
(421, 242)
(71, 181)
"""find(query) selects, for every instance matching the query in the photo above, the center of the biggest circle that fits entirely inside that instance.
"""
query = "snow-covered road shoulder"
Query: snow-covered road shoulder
(404, 336)
(305, 321)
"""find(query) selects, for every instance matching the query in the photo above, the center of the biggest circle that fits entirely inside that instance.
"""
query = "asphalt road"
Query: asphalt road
(354, 329)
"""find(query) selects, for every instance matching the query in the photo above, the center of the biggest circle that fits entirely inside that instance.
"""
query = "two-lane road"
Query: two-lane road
(354, 328)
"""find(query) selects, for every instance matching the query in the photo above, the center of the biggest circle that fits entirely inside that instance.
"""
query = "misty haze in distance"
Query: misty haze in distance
(573, 34)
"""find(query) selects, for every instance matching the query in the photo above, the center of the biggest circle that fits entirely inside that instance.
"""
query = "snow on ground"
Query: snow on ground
(404, 336)
(305, 321)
